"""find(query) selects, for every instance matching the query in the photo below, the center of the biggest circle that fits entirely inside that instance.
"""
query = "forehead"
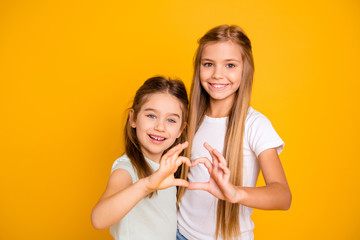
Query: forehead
(164, 103)
(224, 49)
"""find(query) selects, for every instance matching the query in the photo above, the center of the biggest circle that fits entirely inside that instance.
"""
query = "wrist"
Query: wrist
(240, 194)
(144, 185)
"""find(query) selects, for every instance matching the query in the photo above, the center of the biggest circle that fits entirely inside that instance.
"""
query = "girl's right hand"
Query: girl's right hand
(219, 184)
(169, 163)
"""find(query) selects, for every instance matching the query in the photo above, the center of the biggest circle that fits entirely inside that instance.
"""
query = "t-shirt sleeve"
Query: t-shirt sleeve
(262, 136)
(124, 163)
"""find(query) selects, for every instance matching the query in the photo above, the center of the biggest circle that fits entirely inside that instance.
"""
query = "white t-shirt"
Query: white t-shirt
(198, 209)
(152, 218)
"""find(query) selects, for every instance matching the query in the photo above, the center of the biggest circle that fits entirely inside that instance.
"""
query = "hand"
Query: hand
(219, 184)
(169, 163)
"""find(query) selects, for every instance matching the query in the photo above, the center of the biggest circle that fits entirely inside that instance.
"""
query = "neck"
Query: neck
(219, 108)
(153, 157)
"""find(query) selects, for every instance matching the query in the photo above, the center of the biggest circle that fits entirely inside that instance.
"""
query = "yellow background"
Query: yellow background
(68, 71)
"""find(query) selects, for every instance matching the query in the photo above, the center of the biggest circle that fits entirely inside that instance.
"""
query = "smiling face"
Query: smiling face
(221, 69)
(158, 123)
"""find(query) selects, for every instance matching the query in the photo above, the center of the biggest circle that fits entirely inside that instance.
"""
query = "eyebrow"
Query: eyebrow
(227, 60)
(154, 110)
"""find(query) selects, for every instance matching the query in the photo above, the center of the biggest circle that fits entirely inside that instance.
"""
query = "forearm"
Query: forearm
(112, 209)
(274, 196)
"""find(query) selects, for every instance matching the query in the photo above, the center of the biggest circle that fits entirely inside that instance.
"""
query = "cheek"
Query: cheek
(237, 77)
(204, 73)
(175, 130)
(141, 126)
(203, 79)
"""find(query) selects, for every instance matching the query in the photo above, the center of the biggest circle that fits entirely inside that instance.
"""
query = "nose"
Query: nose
(159, 126)
(217, 72)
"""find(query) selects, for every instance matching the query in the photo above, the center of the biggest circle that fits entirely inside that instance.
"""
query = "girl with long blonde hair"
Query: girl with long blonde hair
(229, 143)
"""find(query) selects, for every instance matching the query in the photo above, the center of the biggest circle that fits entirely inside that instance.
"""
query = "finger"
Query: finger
(215, 160)
(224, 168)
(171, 151)
(177, 151)
(171, 156)
(181, 183)
(198, 186)
(183, 160)
(213, 156)
(204, 161)
(185, 144)
(208, 147)
(220, 157)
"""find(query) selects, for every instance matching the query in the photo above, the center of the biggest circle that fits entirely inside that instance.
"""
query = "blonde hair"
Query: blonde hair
(228, 225)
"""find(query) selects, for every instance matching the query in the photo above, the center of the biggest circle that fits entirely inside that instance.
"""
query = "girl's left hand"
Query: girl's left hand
(219, 184)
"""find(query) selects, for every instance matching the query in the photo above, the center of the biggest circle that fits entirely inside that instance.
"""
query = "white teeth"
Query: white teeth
(157, 138)
(219, 86)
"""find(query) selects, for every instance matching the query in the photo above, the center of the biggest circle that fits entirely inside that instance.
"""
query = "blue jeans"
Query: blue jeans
(179, 236)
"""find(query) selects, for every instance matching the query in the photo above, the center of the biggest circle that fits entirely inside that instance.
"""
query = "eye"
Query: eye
(207, 64)
(151, 116)
(230, 65)
(171, 120)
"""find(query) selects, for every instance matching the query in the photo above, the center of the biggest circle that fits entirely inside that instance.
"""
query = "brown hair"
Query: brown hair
(152, 86)
(228, 225)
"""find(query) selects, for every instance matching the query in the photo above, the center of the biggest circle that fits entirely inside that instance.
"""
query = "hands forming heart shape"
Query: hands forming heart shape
(218, 184)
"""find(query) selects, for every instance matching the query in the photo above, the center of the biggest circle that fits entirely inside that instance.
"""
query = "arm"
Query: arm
(121, 195)
(119, 198)
(275, 195)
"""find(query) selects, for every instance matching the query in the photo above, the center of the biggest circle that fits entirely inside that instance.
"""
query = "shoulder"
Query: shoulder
(255, 118)
(121, 161)
(122, 176)
(260, 133)
(124, 163)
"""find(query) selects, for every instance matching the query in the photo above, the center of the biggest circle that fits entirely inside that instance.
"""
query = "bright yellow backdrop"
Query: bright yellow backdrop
(68, 70)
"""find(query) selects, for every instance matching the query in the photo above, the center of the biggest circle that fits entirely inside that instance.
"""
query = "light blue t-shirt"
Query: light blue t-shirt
(152, 218)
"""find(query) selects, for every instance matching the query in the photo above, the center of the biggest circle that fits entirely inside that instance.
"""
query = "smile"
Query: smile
(219, 86)
(156, 139)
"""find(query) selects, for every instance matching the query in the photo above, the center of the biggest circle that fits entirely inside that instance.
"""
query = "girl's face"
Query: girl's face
(221, 70)
(158, 124)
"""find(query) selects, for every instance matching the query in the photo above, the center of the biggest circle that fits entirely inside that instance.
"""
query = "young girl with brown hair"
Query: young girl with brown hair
(139, 201)
(231, 141)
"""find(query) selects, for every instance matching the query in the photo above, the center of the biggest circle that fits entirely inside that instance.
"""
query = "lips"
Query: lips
(156, 138)
(219, 86)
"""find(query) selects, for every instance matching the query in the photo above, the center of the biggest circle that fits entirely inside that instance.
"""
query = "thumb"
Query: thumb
(198, 186)
(181, 183)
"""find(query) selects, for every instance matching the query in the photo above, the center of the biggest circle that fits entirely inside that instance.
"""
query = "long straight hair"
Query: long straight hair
(152, 86)
(228, 223)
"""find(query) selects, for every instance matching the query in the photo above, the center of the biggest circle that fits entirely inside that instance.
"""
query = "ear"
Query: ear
(132, 122)
(181, 129)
